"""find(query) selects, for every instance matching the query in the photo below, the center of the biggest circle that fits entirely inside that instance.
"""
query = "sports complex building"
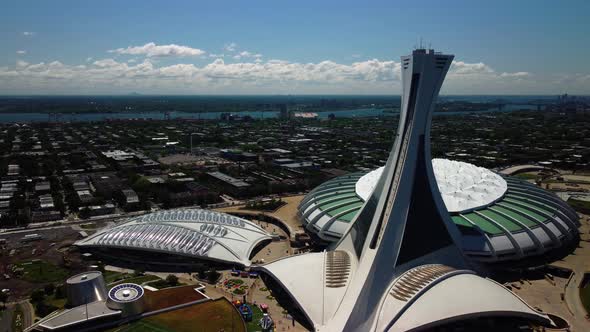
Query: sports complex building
(500, 218)
(179, 238)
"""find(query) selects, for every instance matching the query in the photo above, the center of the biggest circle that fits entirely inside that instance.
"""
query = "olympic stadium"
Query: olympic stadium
(169, 237)
(500, 218)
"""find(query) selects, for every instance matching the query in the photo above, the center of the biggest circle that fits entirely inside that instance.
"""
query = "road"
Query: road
(579, 264)
(64, 223)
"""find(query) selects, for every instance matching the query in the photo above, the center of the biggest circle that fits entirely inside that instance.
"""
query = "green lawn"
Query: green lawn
(42, 272)
(253, 326)
(112, 276)
(59, 303)
(212, 316)
(88, 226)
(582, 206)
(161, 284)
(526, 176)
(136, 280)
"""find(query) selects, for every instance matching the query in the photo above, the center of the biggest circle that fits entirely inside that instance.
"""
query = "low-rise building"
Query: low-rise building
(230, 184)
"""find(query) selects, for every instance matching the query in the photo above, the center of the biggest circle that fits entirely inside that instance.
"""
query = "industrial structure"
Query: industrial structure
(85, 288)
(499, 218)
(387, 273)
(179, 238)
(128, 298)
(87, 304)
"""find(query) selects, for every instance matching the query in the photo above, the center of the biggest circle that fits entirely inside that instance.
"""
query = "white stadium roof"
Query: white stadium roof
(500, 218)
(463, 186)
(196, 233)
(415, 300)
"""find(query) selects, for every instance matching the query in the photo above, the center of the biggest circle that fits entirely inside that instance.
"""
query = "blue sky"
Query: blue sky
(204, 47)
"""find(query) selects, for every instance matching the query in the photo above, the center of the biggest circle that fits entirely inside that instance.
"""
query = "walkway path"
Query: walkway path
(579, 263)
(287, 213)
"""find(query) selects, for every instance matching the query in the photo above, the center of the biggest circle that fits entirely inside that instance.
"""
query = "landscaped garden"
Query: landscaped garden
(216, 315)
(136, 280)
(170, 281)
(236, 286)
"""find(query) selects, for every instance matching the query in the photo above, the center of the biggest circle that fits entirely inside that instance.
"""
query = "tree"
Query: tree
(141, 185)
(3, 298)
(84, 213)
(212, 276)
(49, 289)
(172, 280)
(138, 272)
(200, 269)
(60, 291)
(37, 296)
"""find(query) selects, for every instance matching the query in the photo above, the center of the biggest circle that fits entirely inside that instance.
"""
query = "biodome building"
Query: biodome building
(179, 238)
(499, 218)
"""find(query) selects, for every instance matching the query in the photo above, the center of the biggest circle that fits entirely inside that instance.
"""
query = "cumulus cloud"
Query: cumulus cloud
(153, 50)
(481, 72)
(21, 52)
(21, 63)
(112, 73)
(29, 33)
(252, 76)
(518, 75)
(463, 68)
(246, 55)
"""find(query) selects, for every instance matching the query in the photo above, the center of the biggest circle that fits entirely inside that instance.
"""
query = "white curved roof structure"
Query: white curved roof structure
(422, 297)
(197, 233)
(463, 186)
(429, 306)
(399, 265)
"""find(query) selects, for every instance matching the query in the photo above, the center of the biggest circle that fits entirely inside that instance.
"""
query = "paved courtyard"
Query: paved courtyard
(548, 297)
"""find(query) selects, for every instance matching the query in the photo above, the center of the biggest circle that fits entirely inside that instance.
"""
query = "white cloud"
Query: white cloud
(247, 55)
(88, 59)
(258, 76)
(153, 50)
(21, 52)
(463, 68)
(518, 75)
(29, 33)
(230, 47)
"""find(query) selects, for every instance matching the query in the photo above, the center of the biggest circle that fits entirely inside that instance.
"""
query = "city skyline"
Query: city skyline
(303, 48)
